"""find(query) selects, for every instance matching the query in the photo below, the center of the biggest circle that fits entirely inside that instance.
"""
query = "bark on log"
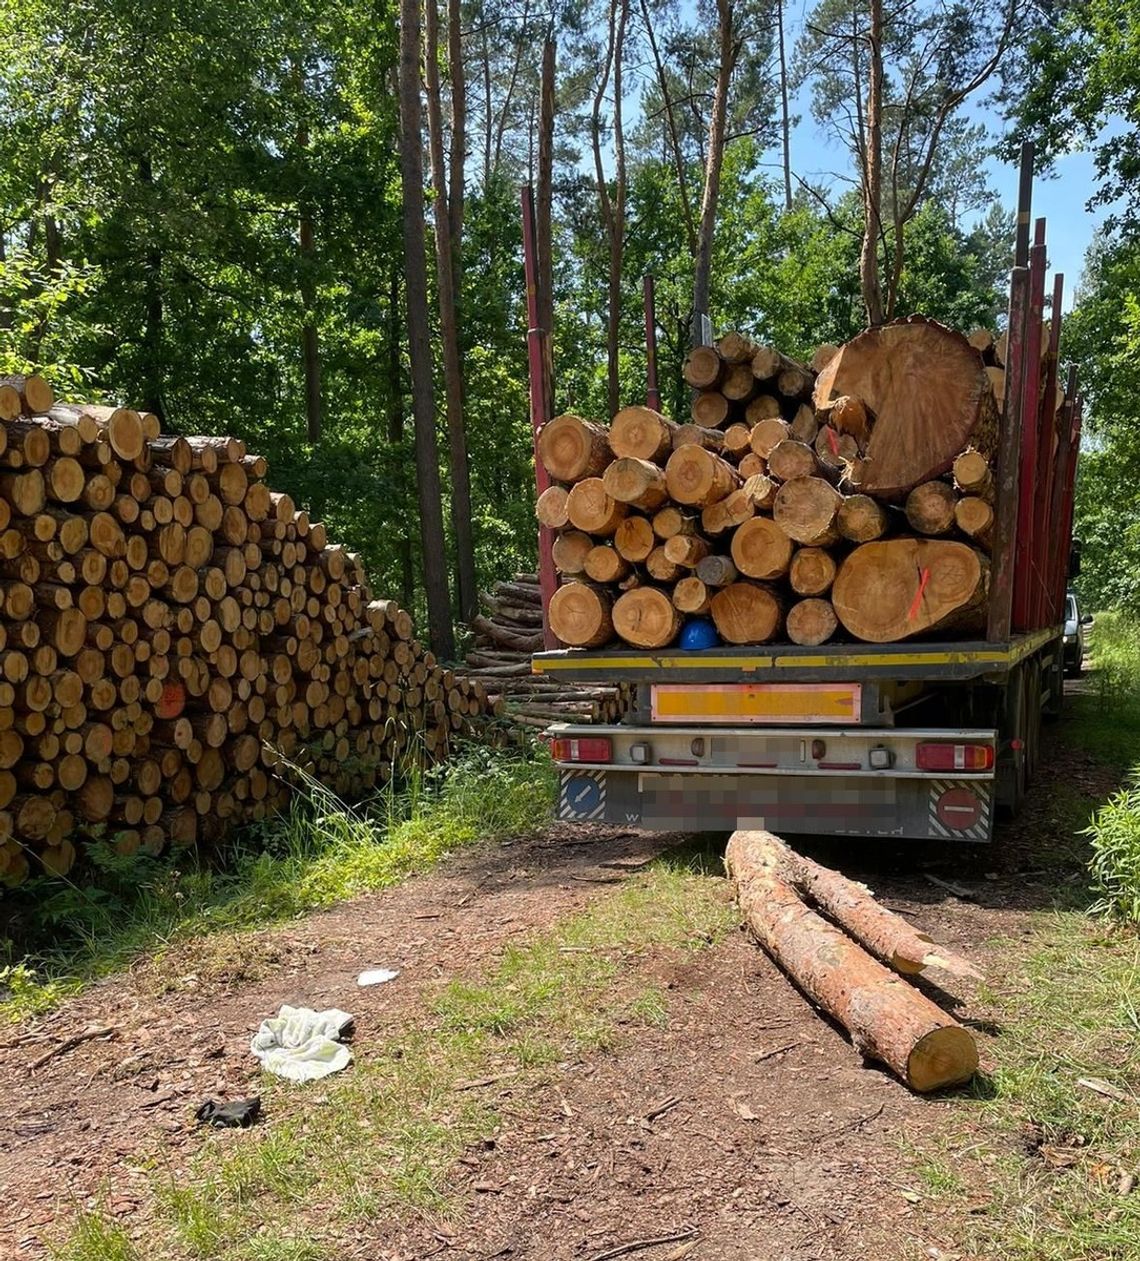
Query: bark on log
(888, 1020)
(698, 435)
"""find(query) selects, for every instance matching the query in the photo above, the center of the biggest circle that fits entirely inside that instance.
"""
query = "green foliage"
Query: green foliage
(320, 852)
(1103, 337)
(1115, 865)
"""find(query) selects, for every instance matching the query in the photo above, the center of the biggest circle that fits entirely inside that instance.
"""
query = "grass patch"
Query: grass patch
(1105, 720)
(382, 1138)
(1054, 1152)
(64, 935)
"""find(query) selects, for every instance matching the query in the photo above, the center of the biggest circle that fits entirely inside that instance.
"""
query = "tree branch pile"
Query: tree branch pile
(178, 640)
(785, 898)
(850, 497)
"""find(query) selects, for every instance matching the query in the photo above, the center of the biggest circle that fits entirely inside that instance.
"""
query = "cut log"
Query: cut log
(709, 408)
(761, 549)
(737, 382)
(975, 518)
(691, 596)
(636, 482)
(767, 434)
(697, 477)
(762, 407)
(752, 464)
(806, 508)
(670, 521)
(687, 550)
(634, 539)
(551, 508)
(849, 415)
(789, 459)
(996, 378)
(33, 396)
(804, 426)
(592, 510)
(571, 448)
(973, 475)
(837, 452)
(660, 567)
(736, 441)
(861, 519)
(605, 564)
(930, 508)
(812, 571)
(640, 433)
(570, 550)
(982, 340)
(728, 513)
(1000, 348)
(646, 618)
(699, 436)
(898, 588)
(760, 489)
(703, 367)
(823, 356)
(580, 615)
(928, 391)
(736, 348)
(853, 906)
(716, 571)
(746, 613)
(811, 622)
(887, 1019)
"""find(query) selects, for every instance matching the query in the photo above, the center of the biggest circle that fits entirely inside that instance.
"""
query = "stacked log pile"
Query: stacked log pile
(177, 638)
(852, 496)
(836, 960)
(505, 637)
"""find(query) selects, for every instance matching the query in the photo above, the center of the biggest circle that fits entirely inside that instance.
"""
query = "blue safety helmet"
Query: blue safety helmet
(699, 632)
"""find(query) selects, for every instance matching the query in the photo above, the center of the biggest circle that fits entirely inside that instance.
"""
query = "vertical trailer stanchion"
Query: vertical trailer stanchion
(1062, 578)
(537, 365)
(1009, 445)
(652, 393)
(1027, 544)
(1049, 451)
(1058, 558)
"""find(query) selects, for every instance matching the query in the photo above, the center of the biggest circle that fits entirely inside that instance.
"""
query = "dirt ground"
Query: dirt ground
(746, 1130)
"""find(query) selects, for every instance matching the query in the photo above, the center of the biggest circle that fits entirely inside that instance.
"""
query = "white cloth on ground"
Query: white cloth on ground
(301, 1044)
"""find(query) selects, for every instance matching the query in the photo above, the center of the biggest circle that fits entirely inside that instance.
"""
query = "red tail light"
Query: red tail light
(943, 756)
(581, 749)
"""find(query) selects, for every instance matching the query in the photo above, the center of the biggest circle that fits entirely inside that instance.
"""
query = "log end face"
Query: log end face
(944, 1057)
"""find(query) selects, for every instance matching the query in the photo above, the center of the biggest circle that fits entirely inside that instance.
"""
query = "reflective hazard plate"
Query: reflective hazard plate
(733, 703)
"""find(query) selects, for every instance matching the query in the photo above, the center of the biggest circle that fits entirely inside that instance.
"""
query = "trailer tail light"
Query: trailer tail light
(944, 756)
(581, 749)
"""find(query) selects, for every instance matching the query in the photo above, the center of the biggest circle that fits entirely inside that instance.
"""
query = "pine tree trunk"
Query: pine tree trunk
(461, 511)
(419, 344)
(873, 174)
(718, 124)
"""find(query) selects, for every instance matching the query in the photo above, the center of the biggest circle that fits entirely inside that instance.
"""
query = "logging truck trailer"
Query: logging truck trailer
(917, 739)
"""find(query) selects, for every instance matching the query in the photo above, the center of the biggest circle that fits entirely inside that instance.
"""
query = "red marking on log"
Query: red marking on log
(916, 603)
(172, 701)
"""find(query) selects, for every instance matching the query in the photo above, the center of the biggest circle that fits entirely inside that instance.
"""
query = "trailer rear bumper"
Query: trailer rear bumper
(882, 805)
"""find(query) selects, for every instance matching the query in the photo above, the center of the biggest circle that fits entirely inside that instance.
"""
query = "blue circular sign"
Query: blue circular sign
(583, 794)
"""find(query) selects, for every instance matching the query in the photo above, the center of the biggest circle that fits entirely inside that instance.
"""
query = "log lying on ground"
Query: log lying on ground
(886, 1018)
(853, 907)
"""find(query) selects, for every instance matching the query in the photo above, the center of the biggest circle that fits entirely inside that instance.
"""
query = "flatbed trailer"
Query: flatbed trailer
(919, 739)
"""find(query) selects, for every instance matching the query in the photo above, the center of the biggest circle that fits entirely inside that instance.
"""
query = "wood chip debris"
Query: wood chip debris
(650, 1241)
